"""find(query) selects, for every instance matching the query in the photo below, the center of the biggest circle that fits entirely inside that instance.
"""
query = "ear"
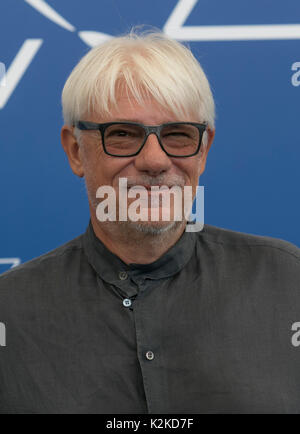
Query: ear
(72, 149)
(210, 137)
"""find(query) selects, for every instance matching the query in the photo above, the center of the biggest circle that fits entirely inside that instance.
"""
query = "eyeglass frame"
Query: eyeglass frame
(149, 129)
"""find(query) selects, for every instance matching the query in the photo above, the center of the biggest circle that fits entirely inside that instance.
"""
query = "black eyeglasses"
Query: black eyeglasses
(126, 139)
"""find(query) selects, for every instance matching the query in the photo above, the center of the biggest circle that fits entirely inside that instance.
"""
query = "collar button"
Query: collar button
(127, 302)
(123, 275)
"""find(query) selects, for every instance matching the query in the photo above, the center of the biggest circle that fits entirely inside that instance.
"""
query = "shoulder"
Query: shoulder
(42, 268)
(249, 247)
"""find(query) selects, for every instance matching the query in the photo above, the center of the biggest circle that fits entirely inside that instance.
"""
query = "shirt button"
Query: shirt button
(127, 302)
(149, 355)
(123, 275)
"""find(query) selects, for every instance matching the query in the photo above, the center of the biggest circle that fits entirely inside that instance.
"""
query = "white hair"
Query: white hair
(149, 62)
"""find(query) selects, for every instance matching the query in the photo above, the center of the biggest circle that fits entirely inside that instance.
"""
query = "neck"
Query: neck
(137, 244)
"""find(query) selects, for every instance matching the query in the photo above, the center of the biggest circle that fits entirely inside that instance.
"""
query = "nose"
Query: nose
(152, 158)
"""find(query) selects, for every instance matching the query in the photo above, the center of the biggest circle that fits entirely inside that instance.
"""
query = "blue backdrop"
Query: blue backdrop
(250, 52)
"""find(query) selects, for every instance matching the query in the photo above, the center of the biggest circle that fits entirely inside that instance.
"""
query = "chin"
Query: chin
(154, 228)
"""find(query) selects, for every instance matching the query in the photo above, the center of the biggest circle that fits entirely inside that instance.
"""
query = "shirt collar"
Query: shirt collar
(110, 267)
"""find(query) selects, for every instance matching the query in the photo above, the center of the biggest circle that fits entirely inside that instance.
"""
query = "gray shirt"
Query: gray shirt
(207, 328)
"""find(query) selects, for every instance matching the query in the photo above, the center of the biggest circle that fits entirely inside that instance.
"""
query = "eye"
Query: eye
(120, 133)
(184, 131)
(123, 131)
(177, 133)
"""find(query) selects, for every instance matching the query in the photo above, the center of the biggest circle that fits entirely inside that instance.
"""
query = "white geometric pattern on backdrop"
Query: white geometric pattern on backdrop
(175, 28)
(14, 262)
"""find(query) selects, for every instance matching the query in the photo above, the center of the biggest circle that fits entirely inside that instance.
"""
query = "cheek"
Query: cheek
(91, 160)
(191, 169)
(102, 169)
(198, 166)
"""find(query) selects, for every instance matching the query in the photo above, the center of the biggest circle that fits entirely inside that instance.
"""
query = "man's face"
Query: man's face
(152, 166)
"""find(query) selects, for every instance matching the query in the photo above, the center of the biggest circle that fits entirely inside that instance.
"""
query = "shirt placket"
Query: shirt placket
(149, 347)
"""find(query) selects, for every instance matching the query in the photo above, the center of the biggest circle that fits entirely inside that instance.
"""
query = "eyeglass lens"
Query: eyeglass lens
(177, 139)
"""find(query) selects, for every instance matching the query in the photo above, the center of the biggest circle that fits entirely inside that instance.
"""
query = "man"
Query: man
(144, 316)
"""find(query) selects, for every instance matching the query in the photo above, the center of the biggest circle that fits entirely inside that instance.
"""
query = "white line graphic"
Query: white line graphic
(46, 10)
(2, 75)
(93, 38)
(175, 28)
(13, 261)
(90, 38)
(18, 68)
